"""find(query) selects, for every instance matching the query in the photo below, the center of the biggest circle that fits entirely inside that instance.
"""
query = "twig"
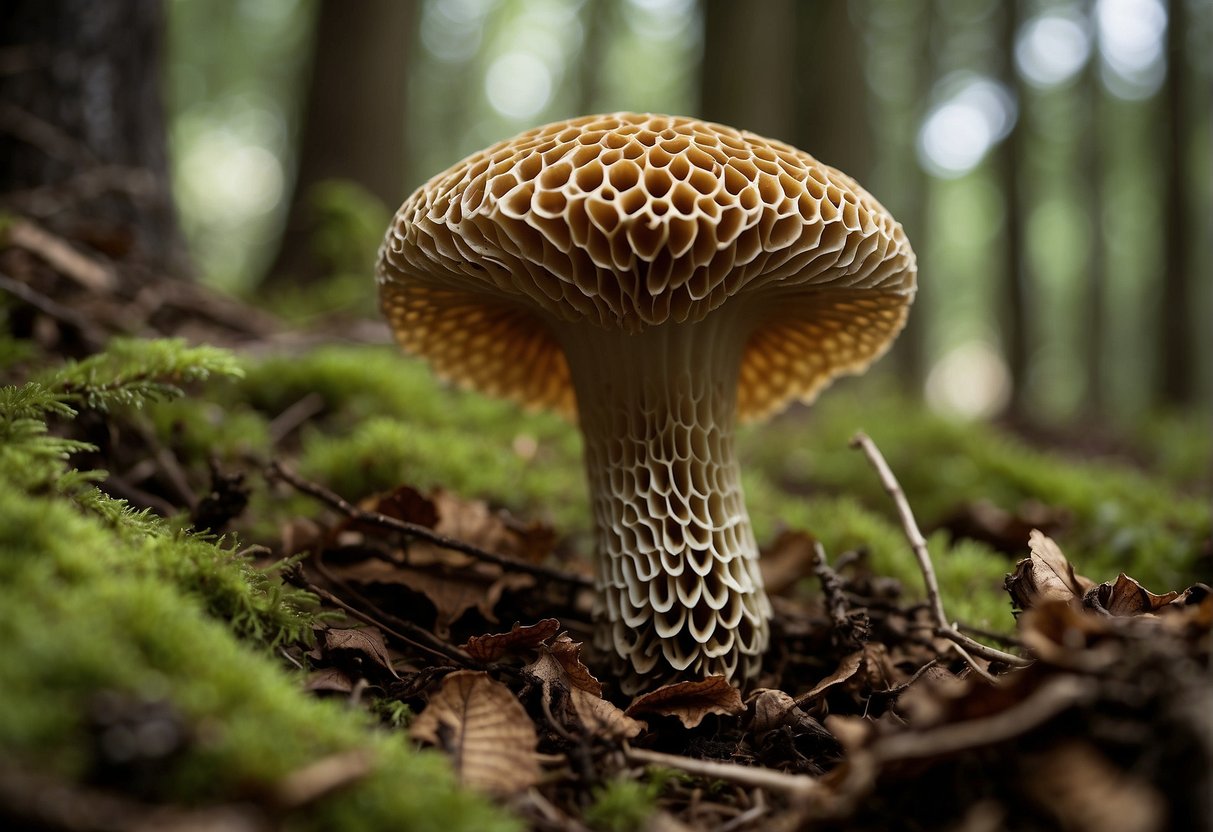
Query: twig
(323, 777)
(754, 776)
(1048, 701)
(419, 638)
(279, 471)
(288, 420)
(92, 335)
(747, 817)
(836, 602)
(918, 544)
(59, 254)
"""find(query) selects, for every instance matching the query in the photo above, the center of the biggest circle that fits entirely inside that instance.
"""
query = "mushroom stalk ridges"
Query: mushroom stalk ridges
(677, 564)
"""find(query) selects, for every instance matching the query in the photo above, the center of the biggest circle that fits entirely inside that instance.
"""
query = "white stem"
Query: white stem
(681, 593)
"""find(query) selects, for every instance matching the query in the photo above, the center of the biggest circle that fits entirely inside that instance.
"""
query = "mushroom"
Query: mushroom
(658, 278)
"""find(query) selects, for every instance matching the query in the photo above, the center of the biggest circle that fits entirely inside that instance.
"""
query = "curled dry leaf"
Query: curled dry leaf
(603, 719)
(1046, 575)
(568, 653)
(690, 702)
(559, 670)
(366, 643)
(484, 729)
(1125, 596)
(847, 668)
(489, 648)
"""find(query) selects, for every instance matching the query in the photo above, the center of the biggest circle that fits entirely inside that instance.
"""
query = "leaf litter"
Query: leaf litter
(870, 713)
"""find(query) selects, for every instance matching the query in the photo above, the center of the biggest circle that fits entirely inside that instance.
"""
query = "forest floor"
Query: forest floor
(445, 621)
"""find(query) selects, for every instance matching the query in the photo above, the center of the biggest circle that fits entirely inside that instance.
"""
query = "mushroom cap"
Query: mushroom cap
(627, 221)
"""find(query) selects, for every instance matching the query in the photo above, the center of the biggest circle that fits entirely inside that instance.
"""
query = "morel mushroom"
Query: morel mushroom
(660, 278)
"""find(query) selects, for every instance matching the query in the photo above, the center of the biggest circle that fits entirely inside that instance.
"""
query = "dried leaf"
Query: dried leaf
(453, 592)
(1045, 576)
(473, 522)
(367, 643)
(601, 718)
(407, 504)
(489, 648)
(1125, 596)
(568, 653)
(330, 679)
(690, 702)
(771, 709)
(486, 731)
(847, 668)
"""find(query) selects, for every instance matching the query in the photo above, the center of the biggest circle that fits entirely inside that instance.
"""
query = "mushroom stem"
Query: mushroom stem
(677, 566)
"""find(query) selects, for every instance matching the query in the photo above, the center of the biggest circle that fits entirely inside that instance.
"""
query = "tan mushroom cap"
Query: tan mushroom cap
(627, 221)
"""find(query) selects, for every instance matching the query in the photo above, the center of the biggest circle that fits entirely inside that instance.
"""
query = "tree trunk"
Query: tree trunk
(1014, 291)
(82, 130)
(749, 66)
(353, 125)
(830, 89)
(1095, 296)
(1176, 374)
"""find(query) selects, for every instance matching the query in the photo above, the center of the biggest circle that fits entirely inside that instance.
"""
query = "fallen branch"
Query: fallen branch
(66, 260)
(846, 630)
(279, 471)
(918, 544)
(1051, 699)
(418, 638)
(764, 778)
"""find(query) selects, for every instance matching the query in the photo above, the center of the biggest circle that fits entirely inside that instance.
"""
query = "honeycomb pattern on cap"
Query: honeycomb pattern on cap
(629, 221)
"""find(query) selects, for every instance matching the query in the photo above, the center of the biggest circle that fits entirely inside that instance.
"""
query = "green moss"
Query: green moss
(101, 601)
(1120, 519)
(621, 805)
(88, 610)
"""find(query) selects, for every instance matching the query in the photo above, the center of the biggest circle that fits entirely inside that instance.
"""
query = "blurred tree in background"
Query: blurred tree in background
(1050, 159)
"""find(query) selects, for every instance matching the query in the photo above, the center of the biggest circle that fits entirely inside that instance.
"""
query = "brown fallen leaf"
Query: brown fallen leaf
(602, 718)
(1046, 575)
(489, 648)
(407, 504)
(484, 729)
(367, 643)
(568, 653)
(452, 591)
(330, 679)
(847, 668)
(1125, 596)
(690, 702)
(561, 673)
(472, 521)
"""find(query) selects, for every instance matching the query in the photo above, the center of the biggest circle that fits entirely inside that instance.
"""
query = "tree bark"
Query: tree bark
(1095, 297)
(749, 63)
(1176, 374)
(830, 89)
(82, 125)
(1015, 289)
(354, 117)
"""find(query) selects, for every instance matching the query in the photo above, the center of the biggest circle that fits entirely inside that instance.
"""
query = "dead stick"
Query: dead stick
(763, 778)
(279, 471)
(836, 602)
(918, 544)
(420, 640)
(1051, 699)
